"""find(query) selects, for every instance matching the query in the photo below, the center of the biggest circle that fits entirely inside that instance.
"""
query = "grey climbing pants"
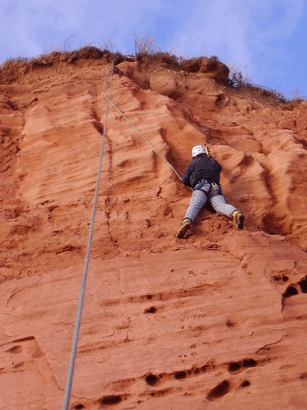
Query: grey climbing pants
(218, 202)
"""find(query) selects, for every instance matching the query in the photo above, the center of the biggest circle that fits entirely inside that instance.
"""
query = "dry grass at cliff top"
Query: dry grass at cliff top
(12, 70)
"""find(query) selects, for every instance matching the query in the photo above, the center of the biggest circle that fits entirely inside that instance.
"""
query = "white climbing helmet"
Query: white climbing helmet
(200, 149)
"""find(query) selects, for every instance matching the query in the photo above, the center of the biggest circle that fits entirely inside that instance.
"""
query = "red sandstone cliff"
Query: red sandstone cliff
(215, 321)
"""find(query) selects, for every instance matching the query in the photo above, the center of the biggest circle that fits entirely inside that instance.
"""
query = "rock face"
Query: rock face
(216, 320)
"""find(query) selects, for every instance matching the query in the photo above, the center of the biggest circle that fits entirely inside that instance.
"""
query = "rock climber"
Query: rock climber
(203, 176)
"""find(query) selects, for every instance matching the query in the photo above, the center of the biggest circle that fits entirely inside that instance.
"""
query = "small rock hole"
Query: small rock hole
(152, 309)
(285, 278)
(180, 375)
(220, 390)
(78, 406)
(149, 297)
(18, 365)
(246, 383)
(15, 349)
(290, 291)
(303, 284)
(249, 363)
(152, 380)
(234, 367)
(110, 400)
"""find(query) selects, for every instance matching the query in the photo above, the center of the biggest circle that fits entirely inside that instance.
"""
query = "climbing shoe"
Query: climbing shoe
(185, 225)
(238, 219)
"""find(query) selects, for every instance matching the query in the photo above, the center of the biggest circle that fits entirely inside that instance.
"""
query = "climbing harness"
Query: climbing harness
(86, 263)
(209, 188)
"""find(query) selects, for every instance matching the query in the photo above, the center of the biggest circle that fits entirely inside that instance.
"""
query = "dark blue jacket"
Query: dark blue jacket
(200, 168)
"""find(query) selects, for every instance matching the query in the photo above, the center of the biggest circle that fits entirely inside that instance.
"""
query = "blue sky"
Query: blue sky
(264, 39)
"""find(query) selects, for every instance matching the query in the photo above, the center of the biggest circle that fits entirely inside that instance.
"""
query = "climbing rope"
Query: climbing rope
(86, 263)
(143, 136)
(89, 243)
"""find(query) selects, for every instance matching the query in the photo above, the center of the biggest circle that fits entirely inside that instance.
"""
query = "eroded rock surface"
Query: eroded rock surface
(213, 321)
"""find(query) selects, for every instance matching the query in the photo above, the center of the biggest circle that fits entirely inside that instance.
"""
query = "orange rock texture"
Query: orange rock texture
(214, 321)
